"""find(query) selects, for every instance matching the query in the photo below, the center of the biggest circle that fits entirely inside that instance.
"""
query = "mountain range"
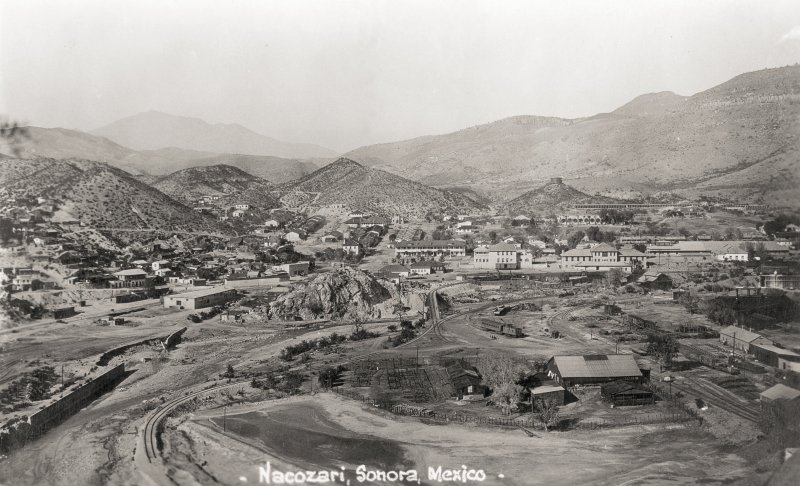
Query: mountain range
(739, 139)
(62, 143)
(357, 187)
(153, 130)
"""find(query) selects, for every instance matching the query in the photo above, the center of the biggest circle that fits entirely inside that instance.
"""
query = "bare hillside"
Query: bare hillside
(658, 142)
(357, 187)
(231, 183)
(98, 195)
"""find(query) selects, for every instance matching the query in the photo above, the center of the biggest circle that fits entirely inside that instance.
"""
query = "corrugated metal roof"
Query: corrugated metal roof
(741, 334)
(780, 391)
(597, 366)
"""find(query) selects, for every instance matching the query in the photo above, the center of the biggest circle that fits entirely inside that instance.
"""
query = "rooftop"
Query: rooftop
(780, 391)
(741, 333)
(201, 293)
(597, 366)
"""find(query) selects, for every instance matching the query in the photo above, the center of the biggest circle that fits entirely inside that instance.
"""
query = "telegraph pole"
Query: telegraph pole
(224, 416)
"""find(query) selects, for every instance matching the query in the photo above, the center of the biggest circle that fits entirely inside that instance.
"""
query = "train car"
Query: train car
(512, 331)
(492, 326)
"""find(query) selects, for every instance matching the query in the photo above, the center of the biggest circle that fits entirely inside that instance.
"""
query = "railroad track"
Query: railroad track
(151, 426)
(151, 432)
(720, 398)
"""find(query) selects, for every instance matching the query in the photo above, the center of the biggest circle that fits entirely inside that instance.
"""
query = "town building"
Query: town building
(623, 392)
(160, 264)
(593, 369)
(351, 247)
(292, 269)
(422, 268)
(778, 392)
(332, 237)
(359, 221)
(466, 381)
(602, 257)
(294, 236)
(738, 338)
(200, 299)
(769, 354)
(395, 271)
(502, 256)
(430, 249)
(133, 277)
(654, 280)
(779, 281)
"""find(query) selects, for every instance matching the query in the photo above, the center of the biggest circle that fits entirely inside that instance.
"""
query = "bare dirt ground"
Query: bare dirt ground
(628, 455)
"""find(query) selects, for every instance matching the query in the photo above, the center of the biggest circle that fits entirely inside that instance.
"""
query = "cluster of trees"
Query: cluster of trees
(662, 347)
(289, 352)
(330, 377)
(503, 375)
(593, 233)
(359, 333)
(198, 318)
(779, 223)
(408, 331)
(617, 216)
(288, 382)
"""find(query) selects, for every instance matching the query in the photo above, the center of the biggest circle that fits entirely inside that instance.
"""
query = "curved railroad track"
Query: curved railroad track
(151, 426)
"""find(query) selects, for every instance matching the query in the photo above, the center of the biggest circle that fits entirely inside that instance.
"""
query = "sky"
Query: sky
(343, 74)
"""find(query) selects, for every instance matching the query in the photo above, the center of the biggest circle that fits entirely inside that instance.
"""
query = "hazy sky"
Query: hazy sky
(349, 73)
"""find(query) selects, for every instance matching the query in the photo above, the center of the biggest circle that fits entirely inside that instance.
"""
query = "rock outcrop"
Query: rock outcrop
(341, 294)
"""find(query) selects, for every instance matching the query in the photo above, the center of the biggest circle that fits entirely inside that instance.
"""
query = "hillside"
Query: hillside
(234, 185)
(360, 188)
(97, 194)
(656, 142)
(154, 130)
(551, 196)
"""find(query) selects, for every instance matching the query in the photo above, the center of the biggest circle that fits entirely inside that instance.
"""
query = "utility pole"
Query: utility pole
(224, 416)
(62, 380)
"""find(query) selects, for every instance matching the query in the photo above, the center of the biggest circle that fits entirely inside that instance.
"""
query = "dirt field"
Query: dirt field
(630, 455)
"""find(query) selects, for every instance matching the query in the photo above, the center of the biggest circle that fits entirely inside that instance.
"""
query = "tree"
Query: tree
(640, 247)
(546, 410)
(613, 277)
(507, 395)
(503, 373)
(575, 238)
(663, 348)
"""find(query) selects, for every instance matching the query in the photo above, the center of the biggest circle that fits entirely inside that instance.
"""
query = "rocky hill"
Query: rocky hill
(154, 130)
(549, 197)
(737, 138)
(99, 195)
(232, 184)
(360, 188)
(341, 294)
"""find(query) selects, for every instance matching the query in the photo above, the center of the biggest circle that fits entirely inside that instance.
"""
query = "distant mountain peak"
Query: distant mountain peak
(154, 130)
